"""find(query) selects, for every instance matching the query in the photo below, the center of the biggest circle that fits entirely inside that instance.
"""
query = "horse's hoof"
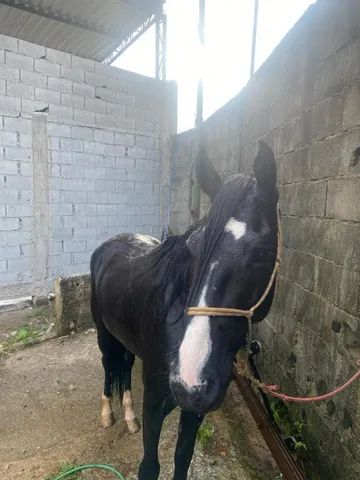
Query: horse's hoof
(133, 425)
(107, 420)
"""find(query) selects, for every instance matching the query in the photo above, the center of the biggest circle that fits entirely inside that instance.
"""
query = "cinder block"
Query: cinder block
(18, 124)
(95, 79)
(106, 210)
(105, 161)
(84, 233)
(74, 74)
(135, 113)
(82, 63)
(94, 147)
(83, 184)
(2, 87)
(125, 123)
(34, 79)
(84, 117)
(104, 185)
(105, 94)
(9, 224)
(17, 89)
(47, 96)
(95, 105)
(14, 60)
(72, 171)
(97, 221)
(31, 49)
(105, 120)
(95, 172)
(30, 106)
(116, 109)
(84, 90)
(18, 153)
(19, 211)
(305, 199)
(83, 159)
(25, 140)
(7, 73)
(7, 138)
(9, 104)
(104, 136)
(72, 100)
(343, 199)
(75, 197)
(60, 112)
(71, 145)
(115, 150)
(58, 129)
(74, 246)
(125, 139)
(55, 56)
(50, 69)
(9, 43)
(126, 100)
(117, 84)
(57, 183)
(7, 167)
(85, 209)
(63, 158)
(82, 132)
(97, 197)
(60, 84)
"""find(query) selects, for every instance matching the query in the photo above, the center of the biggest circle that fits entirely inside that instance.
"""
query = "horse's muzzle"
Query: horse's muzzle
(200, 399)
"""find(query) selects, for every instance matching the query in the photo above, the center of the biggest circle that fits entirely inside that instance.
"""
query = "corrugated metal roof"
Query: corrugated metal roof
(88, 28)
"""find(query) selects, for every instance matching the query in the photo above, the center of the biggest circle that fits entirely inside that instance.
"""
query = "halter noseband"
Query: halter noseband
(237, 312)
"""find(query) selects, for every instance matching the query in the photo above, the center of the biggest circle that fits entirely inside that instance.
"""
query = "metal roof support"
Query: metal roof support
(161, 39)
(56, 16)
(253, 47)
(128, 41)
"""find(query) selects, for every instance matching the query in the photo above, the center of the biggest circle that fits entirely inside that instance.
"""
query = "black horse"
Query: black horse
(141, 290)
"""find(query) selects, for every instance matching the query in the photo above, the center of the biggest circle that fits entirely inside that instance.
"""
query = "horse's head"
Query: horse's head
(233, 253)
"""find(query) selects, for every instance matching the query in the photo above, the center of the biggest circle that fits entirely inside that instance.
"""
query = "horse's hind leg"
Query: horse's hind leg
(127, 401)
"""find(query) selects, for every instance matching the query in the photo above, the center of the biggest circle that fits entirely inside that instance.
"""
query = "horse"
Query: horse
(141, 290)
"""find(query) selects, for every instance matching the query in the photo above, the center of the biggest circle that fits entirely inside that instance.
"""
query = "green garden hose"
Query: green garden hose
(86, 467)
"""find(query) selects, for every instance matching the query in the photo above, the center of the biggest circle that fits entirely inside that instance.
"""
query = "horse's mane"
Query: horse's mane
(222, 208)
(171, 264)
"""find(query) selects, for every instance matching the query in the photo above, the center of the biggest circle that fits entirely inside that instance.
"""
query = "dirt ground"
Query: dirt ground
(49, 415)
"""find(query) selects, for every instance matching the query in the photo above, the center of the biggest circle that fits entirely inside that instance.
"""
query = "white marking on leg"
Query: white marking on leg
(130, 418)
(195, 348)
(235, 227)
(107, 416)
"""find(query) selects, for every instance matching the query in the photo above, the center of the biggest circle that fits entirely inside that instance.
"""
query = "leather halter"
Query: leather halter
(237, 312)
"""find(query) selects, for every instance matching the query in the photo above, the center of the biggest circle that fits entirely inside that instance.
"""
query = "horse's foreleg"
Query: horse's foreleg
(188, 428)
(154, 412)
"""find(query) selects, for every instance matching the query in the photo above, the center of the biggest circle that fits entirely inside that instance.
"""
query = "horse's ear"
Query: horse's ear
(265, 168)
(206, 175)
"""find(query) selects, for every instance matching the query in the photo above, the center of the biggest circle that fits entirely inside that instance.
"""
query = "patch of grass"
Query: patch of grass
(205, 434)
(63, 468)
(24, 336)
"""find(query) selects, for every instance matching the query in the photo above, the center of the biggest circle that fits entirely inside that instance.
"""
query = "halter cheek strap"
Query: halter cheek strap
(237, 312)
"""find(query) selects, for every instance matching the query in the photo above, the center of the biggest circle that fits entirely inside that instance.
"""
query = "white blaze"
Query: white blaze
(196, 345)
(235, 227)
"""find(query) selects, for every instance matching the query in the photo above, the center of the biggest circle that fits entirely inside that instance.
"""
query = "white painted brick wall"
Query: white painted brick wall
(103, 129)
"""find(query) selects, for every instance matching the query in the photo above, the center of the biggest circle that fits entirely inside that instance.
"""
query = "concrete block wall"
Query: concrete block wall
(305, 102)
(103, 140)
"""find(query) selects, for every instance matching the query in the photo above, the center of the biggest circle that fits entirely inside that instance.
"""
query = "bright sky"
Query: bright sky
(226, 59)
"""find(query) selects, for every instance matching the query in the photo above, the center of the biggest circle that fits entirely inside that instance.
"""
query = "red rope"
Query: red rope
(272, 390)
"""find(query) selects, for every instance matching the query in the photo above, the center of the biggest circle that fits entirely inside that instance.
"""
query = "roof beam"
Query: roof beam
(27, 7)
(130, 39)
